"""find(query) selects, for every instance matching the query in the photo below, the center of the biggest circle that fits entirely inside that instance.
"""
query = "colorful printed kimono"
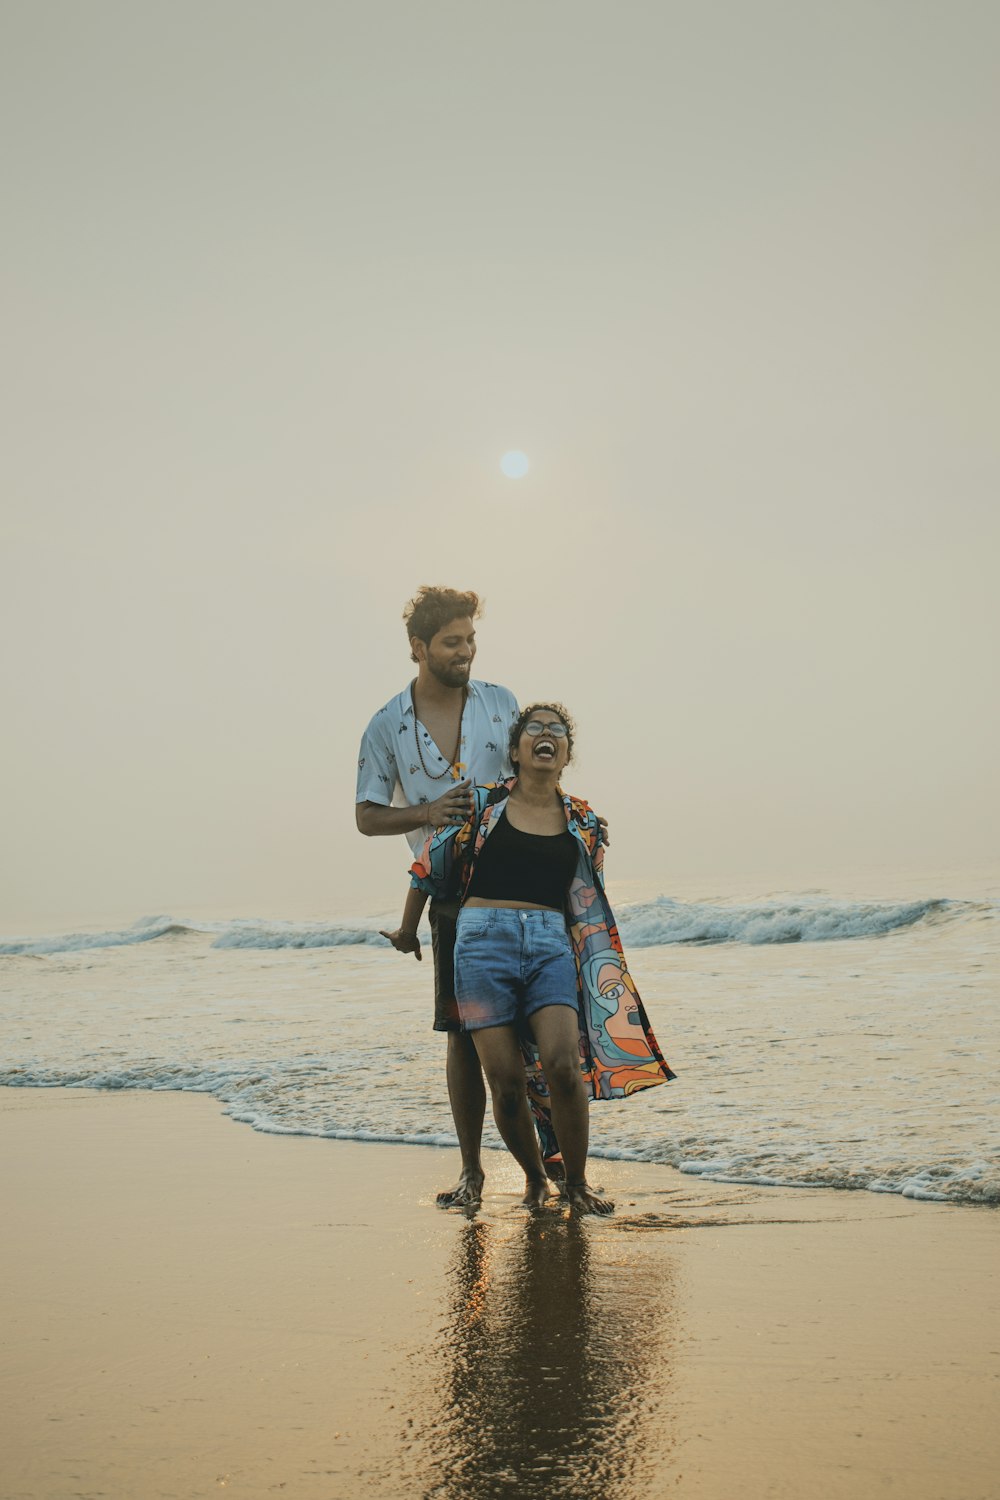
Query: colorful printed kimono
(618, 1051)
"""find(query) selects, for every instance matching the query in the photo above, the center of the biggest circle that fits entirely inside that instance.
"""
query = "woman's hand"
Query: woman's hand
(453, 806)
(404, 942)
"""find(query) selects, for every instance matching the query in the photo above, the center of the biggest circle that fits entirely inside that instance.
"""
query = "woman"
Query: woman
(537, 955)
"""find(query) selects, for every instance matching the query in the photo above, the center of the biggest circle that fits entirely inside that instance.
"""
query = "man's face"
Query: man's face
(451, 652)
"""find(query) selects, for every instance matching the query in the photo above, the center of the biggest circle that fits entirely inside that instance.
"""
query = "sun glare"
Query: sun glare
(514, 464)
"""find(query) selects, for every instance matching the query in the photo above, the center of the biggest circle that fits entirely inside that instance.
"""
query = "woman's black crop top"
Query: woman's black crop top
(516, 866)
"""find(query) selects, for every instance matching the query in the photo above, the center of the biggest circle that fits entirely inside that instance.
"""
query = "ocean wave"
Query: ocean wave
(146, 930)
(654, 923)
(664, 921)
(248, 933)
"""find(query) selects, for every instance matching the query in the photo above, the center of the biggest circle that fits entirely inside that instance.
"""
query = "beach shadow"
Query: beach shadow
(551, 1372)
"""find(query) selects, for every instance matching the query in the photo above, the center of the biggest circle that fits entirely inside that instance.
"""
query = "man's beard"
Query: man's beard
(452, 677)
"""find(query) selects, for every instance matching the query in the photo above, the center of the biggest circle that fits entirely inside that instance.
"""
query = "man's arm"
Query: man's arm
(453, 806)
(373, 819)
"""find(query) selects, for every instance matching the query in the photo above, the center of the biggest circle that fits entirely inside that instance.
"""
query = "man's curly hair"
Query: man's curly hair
(517, 728)
(433, 607)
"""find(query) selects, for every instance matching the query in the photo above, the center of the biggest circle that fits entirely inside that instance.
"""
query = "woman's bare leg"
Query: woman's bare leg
(557, 1034)
(503, 1065)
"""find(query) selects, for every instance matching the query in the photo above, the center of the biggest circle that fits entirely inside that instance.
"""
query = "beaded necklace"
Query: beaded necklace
(455, 766)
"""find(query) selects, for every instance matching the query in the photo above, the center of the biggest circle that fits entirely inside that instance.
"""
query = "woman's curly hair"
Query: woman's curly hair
(517, 728)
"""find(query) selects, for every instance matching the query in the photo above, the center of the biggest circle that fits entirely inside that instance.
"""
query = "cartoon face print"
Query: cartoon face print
(614, 993)
(584, 903)
(604, 972)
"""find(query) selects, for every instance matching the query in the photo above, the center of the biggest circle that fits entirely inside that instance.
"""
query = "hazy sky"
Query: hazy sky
(284, 281)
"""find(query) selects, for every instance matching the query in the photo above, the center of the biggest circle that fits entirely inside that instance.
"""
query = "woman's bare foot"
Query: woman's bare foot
(466, 1193)
(585, 1199)
(536, 1192)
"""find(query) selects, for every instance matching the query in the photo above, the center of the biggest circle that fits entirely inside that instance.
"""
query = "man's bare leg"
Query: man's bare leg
(467, 1093)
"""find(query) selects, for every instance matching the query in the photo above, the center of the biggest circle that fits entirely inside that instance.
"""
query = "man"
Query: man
(419, 757)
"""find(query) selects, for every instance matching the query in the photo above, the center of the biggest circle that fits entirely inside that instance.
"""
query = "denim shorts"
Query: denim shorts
(510, 963)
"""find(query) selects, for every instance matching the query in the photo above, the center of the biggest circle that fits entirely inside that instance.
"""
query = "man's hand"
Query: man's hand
(604, 832)
(453, 806)
(404, 942)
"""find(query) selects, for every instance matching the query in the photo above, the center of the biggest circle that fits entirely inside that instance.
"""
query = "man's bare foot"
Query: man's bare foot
(467, 1192)
(536, 1192)
(585, 1199)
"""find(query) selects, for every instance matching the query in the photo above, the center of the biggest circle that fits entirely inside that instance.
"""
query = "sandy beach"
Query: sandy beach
(193, 1308)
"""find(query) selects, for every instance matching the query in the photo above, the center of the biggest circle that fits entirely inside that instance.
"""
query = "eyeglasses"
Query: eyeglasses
(535, 727)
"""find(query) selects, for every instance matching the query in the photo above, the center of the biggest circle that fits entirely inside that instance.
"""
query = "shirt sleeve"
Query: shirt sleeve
(597, 852)
(436, 869)
(377, 773)
(510, 712)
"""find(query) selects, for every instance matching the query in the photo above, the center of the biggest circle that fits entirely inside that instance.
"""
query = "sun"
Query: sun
(514, 464)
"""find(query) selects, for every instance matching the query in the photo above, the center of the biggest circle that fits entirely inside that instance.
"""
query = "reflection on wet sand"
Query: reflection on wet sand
(551, 1370)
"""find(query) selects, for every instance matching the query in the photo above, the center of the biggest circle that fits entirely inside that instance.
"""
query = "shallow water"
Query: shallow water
(807, 1055)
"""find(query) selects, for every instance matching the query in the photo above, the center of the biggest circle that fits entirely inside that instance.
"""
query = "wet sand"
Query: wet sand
(193, 1309)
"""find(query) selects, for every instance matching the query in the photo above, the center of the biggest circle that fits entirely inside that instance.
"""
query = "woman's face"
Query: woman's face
(541, 750)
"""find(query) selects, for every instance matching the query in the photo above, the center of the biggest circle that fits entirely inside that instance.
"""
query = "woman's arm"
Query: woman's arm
(405, 939)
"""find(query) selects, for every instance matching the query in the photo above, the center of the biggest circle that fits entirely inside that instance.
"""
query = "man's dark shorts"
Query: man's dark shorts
(443, 917)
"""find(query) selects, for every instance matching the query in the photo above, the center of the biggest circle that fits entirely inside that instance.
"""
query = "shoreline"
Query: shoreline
(607, 1157)
(194, 1309)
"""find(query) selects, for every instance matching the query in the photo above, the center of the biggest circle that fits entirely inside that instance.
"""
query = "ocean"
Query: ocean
(841, 1038)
